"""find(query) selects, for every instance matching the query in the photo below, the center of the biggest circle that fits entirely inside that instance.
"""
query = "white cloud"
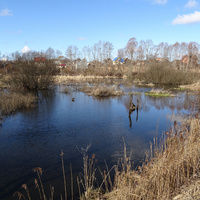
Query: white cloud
(82, 38)
(160, 2)
(26, 49)
(187, 19)
(191, 4)
(6, 12)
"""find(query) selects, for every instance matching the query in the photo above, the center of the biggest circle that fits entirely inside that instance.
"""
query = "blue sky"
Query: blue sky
(40, 24)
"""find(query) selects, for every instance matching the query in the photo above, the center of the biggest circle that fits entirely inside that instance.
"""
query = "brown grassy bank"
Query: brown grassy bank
(59, 79)
(194, 86)
(11, 102)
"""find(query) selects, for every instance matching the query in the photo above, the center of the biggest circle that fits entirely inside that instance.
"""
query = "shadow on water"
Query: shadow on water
(35, 138)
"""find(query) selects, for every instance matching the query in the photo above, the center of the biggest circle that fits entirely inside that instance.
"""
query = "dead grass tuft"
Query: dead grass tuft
(11, 102)
(102, 91)
(160, 93)
(107, 91)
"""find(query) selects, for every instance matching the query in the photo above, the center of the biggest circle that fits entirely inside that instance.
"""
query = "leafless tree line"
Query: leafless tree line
(146, 50)
(136, 51)
(133, 50)
(99, 51)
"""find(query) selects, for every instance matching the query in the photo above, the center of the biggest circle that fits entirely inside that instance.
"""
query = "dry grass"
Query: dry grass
(159, 93)
(10, 103)
(195, 86)
(175, 163)
(107, 91)
(4, 81)
(78, 78)
(102, 91)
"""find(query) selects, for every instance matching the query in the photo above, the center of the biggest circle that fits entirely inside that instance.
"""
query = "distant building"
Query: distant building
(190, 61)
(4, 59)
(162, 59)
(118, 60)
(39, 59)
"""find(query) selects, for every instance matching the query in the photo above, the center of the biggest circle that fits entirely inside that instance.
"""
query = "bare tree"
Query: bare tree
(75, 53)
(84, 52)
(148, 48)
(163, 50)
(99, 51)
(121, 53)
(31, 74)
(58, 53)
(69, 52)
(50, 53)
(140, 50)
(193, 49)
(72, 52)
(107, 50)
(87, 53)
(175, 51)
(131, 47)
(94, 51)
(16, 55)
(183, 50)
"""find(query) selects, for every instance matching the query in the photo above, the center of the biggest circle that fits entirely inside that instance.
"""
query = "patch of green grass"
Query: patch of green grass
(134, 93)
(181, 89)
(157, 95)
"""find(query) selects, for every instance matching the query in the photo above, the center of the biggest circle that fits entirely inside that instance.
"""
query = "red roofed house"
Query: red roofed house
(190, 61)
(39, 59)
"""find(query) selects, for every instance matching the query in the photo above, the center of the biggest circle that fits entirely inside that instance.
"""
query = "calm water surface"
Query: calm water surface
(36, 137)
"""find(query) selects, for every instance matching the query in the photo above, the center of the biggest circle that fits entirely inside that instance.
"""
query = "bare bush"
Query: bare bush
(164, 74)
(31, 75)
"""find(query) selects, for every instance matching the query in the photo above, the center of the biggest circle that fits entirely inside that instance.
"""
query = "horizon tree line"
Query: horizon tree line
(133, 50)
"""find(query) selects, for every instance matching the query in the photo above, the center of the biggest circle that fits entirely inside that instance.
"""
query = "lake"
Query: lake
(35, 137)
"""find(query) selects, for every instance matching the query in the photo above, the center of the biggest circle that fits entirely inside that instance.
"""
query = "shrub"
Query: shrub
(165, 74)
(31, 75)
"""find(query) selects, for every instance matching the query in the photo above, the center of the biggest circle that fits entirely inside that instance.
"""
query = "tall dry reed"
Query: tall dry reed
(174, 164)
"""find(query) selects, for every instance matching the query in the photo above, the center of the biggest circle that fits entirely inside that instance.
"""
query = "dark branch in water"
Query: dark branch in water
(131, 109)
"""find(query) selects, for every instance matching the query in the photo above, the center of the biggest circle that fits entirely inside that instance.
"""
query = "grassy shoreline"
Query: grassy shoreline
(11, 102)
